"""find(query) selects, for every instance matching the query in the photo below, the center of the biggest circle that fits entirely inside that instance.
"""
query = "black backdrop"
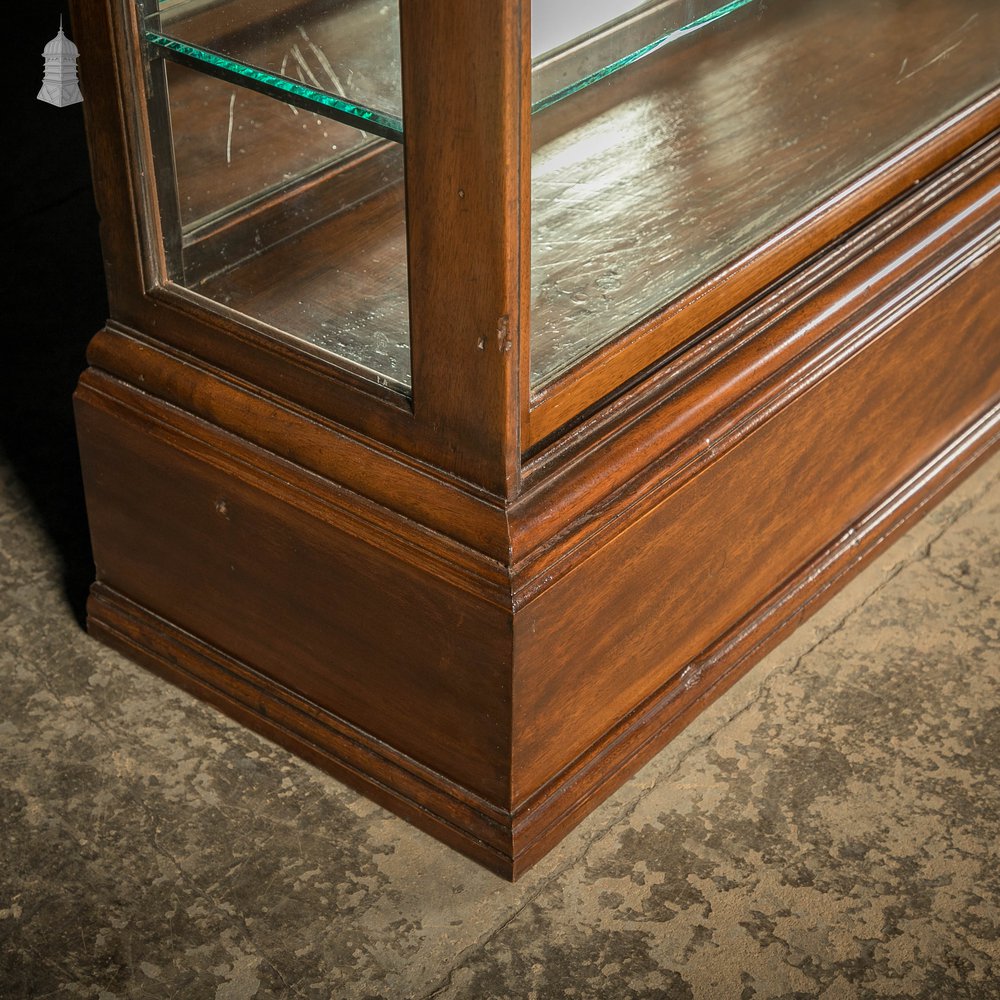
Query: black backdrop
(54, 291)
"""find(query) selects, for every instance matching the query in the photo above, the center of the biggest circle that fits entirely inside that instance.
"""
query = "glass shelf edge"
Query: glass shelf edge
(381, 123)
(290, 91)
(635, 56)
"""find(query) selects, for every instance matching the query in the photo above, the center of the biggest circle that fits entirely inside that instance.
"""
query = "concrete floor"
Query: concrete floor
(830, 828)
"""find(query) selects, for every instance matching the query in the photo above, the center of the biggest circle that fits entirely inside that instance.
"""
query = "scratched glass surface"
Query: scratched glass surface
(337, 59)
(670, 138)
(650, 181)
(342, 59)
(290, 219)
(234, 147)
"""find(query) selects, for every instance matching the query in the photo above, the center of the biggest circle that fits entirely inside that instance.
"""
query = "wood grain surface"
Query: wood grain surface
(627, 620)
(189, 527)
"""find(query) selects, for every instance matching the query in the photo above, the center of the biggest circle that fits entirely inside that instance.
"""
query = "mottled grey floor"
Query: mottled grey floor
(831, 828)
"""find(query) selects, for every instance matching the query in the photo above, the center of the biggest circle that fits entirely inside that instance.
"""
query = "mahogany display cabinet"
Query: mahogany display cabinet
(489, 384)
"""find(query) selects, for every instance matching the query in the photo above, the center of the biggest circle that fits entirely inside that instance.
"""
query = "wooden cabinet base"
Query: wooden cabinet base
(492, 670)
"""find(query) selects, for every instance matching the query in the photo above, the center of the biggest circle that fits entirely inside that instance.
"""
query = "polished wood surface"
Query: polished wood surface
(663, 591)
(270, 578)
(465, 76)
(447, 811)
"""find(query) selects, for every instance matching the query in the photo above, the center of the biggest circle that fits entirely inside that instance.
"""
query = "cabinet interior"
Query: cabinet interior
(644, 183)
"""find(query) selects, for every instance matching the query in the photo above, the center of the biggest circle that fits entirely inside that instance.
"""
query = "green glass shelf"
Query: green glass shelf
(339, 60)
(321, 102)
(342, 60)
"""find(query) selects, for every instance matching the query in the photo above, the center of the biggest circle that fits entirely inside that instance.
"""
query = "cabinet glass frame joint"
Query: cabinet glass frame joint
(482, 596)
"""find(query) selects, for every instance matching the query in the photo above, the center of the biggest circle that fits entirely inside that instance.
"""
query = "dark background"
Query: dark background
(55, 298)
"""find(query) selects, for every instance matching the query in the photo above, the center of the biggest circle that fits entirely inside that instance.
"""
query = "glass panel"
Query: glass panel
(236, 146)
(338, 58)
(651, 179)
(293, 220)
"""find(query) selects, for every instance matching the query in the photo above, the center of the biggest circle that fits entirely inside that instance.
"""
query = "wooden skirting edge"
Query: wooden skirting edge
(510, 844)
(428, 800)
(544, 819)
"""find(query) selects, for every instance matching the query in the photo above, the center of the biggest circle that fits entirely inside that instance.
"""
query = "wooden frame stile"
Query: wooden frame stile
(465, 86)
(111, 160)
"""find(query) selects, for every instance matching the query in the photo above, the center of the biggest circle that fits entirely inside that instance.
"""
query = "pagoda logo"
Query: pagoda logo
(59, 86)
